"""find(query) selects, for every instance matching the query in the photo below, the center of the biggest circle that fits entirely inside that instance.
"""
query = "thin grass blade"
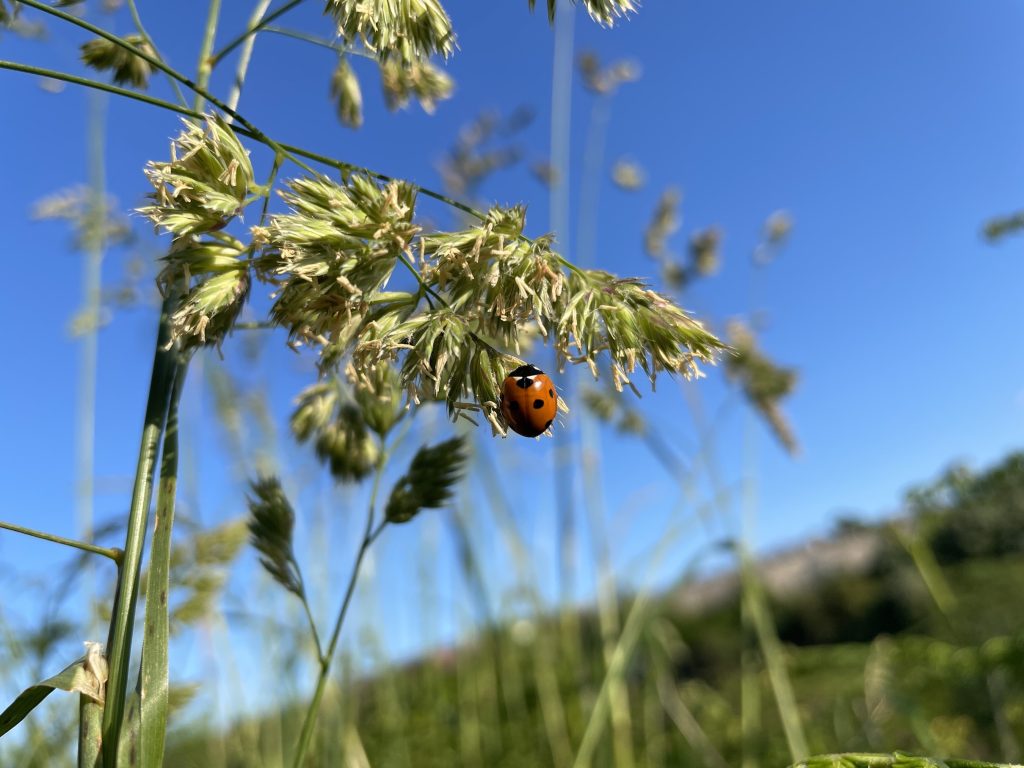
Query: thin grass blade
(86, 676)
(153, 670)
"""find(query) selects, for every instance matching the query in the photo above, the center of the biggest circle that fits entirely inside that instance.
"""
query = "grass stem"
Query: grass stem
(119, 640)
(252, 30)
(113, 554)
(370, 535)
(205, 67)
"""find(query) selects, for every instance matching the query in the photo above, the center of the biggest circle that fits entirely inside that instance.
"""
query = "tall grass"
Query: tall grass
(629, 682)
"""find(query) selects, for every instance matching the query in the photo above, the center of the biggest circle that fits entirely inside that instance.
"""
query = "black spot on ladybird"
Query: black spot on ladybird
(538, 403)
(513, 405)
(551, 394)
(523, 382)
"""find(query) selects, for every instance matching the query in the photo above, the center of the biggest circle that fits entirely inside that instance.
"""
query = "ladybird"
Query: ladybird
(528, 400)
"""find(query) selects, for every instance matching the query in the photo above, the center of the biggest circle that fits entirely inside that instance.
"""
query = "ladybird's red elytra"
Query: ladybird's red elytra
(529, 401)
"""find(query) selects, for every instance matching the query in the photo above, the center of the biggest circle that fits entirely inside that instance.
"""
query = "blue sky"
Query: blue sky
(889, 131)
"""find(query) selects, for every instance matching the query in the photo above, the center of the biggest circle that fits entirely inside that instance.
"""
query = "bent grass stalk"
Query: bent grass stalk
(370, 534)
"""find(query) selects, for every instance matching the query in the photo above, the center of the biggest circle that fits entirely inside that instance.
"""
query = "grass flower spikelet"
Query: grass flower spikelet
(332, 254)
(126, 67)
(271, 527)
(420, 79)
(347, 94)
(206, 183)
(428, 483)
(409, 30)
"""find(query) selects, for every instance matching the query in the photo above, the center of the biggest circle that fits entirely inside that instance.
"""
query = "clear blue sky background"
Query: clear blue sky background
(889, 131)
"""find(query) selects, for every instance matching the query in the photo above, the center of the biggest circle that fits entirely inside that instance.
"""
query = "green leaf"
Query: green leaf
(87, 676)
(428, 482)
(153, 668)
(128, 746)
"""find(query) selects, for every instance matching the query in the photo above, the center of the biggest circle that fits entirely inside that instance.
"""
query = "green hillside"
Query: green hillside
(905, 635)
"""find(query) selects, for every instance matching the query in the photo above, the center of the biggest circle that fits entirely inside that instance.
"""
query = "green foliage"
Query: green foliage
(965, 515)
(428, 482)
(86, 676)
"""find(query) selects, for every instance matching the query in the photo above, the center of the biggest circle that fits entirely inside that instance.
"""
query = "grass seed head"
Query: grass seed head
(206, 183)
(217, 277)
(271, 527)
(433, 472)
(347, 94)
(420, 79)
(332, 254)
(346, 447)
(411, 30)
(126, 67)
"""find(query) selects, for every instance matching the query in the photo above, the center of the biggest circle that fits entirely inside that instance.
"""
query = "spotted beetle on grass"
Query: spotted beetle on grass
(528, 400)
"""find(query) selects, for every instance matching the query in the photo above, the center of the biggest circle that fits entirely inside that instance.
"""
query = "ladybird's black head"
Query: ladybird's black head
(525, 370)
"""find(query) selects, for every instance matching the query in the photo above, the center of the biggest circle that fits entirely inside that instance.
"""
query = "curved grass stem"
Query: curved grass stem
(370, 534)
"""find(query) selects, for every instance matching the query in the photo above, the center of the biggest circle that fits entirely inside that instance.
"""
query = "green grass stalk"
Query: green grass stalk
(774, 658)
(141, 29)
(205, 66)
(252, 30)
(245, 56)
(153, 682)
(90, 733)
(370, 534)
(113, 554)
(561, 127)
(119, 640)
(92, 273)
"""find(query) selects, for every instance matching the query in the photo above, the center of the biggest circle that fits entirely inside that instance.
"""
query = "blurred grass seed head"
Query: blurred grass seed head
(628, 175)
(126, 67)
(604, 81)
(704, 251)
(347, 95)
(409, 31)
(271, 528)
(337, 430)
(417, 79)
(665, 222)
(602, 11)
(9, 10)
(764, 383)
(428, 483)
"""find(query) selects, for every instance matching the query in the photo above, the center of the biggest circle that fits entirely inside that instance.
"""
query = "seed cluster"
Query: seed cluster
(330, 259)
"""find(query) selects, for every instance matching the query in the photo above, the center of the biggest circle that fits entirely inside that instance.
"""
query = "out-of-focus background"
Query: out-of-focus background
(814, 548)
